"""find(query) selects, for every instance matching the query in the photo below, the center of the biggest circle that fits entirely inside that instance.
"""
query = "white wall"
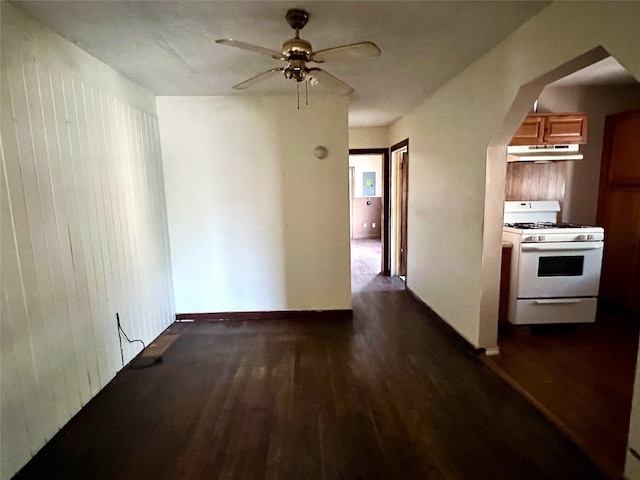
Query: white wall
(366, 163)
(454, 239)
(583, 177)
(83, 231)
(369, 137)
(632, 463)
(256, 222)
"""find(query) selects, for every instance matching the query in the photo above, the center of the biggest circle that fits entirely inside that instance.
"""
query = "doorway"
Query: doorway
(581, 377)
(399, 209)
(368, 192)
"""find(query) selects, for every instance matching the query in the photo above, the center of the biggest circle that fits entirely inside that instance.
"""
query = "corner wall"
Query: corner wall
(83, 233)
(454, 242)
(256, 222)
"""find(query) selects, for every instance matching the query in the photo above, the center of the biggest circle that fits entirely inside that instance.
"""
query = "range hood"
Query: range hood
(543, 153)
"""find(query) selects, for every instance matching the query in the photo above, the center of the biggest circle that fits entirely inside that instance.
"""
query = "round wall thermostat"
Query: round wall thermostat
(321, 152)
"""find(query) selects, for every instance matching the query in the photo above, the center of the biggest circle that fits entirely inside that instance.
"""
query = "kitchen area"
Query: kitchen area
(569, 317)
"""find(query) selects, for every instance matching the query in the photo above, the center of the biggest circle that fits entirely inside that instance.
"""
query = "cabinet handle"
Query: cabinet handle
(555, 301)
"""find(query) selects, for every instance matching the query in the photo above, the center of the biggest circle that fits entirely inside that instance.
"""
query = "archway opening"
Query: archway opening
(602, 435)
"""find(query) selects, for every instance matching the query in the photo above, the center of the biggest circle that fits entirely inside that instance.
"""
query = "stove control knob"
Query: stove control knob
(590, 237)
(541, 238)
(581, 238)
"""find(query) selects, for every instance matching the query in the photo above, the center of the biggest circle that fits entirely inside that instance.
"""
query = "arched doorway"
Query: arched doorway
(596, 422)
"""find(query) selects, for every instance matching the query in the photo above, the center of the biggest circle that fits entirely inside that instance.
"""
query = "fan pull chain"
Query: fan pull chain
(298, 92)
(306, 92)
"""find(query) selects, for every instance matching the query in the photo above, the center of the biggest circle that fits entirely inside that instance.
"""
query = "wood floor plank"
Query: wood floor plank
(387, 395)
(582, 376)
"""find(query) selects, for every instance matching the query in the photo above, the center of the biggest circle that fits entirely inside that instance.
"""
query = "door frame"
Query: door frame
(402, 145)
(352, 174)
(386, 169)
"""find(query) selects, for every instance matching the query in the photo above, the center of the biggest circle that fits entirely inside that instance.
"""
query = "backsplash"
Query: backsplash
(536, 181)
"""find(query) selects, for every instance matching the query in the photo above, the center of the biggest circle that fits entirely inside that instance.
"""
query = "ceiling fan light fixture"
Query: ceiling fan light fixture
(297, 52)
(297, 49)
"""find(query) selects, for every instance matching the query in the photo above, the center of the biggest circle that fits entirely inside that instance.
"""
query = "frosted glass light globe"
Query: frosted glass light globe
(321, 152)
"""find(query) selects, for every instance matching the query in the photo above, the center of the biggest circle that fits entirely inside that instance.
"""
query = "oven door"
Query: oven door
(560, 269)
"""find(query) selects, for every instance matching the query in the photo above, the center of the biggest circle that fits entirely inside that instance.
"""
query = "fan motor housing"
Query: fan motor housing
(297, 18)
(297, 48)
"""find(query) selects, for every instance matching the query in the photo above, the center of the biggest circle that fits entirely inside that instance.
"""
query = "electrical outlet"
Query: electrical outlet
(373, 225)
(364, 225)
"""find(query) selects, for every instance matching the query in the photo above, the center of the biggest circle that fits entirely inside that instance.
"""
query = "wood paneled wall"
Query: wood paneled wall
(84, 236)
(536, 181)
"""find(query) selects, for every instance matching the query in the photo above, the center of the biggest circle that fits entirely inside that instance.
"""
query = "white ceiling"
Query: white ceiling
(168, 47)
(605, 73)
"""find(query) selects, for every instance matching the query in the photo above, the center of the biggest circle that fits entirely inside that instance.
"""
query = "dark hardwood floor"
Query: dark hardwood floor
(387, 395)
(580, 376)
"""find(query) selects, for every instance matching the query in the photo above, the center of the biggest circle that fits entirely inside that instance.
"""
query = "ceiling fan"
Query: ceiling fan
(297, 52)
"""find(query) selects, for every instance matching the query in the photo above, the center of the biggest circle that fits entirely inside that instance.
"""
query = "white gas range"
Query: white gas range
(555, 267)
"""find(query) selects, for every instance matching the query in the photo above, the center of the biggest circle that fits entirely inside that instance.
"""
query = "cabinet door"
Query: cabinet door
(624, 165)
(619, 211)
(566, 129)
(531, 132)
(620, 280)
(505, 280)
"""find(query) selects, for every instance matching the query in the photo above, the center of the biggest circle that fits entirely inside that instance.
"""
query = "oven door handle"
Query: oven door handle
(547, 301)
(577, 247)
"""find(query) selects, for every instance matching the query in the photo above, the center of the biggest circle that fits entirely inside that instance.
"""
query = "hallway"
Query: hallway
(388, 395)
(366, 263)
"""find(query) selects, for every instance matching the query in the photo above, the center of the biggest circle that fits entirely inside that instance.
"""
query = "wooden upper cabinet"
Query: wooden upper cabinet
(550, 129)
(531, 132)
(566, 128)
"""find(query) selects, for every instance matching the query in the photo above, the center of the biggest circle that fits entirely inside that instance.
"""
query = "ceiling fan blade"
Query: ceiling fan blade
(345, 52)
(258, 78)
(329, 81)
(229, 42)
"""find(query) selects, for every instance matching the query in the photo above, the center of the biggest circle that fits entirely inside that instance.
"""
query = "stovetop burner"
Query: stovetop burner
(542, 225)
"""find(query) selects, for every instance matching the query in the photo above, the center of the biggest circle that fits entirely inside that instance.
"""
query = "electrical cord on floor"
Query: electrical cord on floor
(122, 332)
